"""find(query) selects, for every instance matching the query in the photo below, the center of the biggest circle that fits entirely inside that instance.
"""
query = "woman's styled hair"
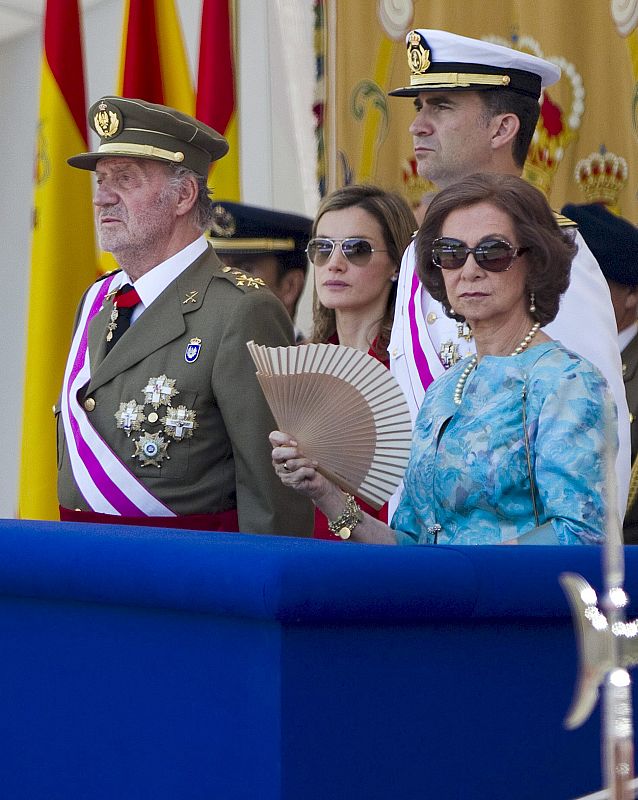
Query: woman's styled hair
(551, 249)
(397, 224)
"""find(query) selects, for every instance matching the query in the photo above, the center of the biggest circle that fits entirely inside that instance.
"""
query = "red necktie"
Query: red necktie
(125, 301)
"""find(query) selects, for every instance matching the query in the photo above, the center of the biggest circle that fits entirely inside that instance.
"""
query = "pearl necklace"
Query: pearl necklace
(460, 385)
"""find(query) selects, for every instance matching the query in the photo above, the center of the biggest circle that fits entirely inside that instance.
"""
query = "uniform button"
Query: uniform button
(431, 317)
(153, 417)
(89, 404)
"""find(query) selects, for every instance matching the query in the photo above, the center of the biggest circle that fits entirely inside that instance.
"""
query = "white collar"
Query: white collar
(150, 285)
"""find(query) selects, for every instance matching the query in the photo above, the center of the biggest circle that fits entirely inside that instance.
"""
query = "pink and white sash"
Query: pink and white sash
(106, 483)
(415, 361)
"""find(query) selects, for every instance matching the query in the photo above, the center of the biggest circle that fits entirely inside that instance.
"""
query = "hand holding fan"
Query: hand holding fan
(345, 410)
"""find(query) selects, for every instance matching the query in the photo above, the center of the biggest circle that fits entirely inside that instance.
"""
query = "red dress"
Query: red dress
(321, 522)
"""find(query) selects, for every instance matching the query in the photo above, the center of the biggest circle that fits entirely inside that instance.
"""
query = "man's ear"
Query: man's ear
(504, 130)
(290, 286)
(631, 298)
(187, 194)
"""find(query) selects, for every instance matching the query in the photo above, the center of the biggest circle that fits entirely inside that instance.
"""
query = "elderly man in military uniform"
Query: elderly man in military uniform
(266, 243)
(161, 419)
(614, 242)
(476, 107)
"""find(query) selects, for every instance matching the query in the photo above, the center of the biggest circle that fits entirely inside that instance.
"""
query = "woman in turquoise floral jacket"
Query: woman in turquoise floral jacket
(510, 444)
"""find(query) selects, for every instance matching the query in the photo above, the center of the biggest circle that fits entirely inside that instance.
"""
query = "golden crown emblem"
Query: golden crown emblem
(601, 176)
(556, 127)
(413, 184)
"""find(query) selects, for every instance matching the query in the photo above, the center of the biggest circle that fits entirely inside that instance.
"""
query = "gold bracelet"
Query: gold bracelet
(348, 520)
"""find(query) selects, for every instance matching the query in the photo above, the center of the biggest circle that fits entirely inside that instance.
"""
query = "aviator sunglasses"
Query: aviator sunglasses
(358, 251)
(494, 255)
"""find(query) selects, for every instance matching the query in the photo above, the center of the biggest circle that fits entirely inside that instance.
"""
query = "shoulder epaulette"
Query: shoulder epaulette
(564, 222)
(243, 280)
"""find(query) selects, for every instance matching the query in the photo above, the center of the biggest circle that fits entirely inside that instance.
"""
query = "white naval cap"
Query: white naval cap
(442, 60)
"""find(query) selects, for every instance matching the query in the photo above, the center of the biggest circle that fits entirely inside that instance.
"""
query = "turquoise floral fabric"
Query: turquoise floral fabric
(468, 469)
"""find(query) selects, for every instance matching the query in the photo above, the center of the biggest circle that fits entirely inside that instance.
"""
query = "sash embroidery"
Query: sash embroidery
(106, 483)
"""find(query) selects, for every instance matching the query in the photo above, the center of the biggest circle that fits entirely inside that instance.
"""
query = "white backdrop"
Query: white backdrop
(273, 171)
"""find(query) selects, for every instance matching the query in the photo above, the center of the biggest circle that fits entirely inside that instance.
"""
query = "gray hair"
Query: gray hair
(202, 211)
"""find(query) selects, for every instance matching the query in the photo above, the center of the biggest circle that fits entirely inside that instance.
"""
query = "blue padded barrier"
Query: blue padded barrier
(147, 663)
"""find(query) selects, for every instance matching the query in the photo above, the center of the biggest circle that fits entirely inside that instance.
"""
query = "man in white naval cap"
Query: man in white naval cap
(477, 105)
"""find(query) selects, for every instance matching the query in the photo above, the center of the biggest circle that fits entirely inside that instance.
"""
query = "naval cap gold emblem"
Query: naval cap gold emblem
(418, 55)
(223, 223)
(106, 120)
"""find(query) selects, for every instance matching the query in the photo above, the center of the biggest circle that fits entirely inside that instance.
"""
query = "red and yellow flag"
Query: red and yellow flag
(153, 62)
(216, 99)
(63, 255)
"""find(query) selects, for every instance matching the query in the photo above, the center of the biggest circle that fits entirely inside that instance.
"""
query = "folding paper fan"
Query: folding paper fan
(345, 410)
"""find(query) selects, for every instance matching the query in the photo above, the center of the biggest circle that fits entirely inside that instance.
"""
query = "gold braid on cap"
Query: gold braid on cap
(141, 150)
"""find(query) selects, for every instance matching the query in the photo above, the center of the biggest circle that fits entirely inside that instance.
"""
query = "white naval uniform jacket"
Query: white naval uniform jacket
(585, 324)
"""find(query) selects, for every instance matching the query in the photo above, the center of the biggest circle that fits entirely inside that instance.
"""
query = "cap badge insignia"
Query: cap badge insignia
(106, 121)
(449, 354)
(223, 222)
(159, 391)
(151, 448)
(191, 297)
(418, 55)
(130, 417)
(192, 350)
(179, 423)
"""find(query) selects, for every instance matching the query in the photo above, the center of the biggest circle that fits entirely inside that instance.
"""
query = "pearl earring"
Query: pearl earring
(532, 303)
(394, 278)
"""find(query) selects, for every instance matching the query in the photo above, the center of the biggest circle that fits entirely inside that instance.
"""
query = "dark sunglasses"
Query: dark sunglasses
(357, 251)
(494, 255)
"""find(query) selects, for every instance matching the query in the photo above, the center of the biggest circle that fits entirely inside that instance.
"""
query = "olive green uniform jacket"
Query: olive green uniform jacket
(226, 463)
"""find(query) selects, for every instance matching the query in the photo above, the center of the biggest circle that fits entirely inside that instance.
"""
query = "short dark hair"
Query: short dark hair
(527, 109)
(397, 223)
(551, 249)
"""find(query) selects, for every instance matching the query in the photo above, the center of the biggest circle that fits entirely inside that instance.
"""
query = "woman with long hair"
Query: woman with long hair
(358, 238)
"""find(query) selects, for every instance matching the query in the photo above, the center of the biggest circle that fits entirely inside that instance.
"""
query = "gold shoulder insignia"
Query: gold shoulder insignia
(242, 279)
(564, 222)
(249, 280)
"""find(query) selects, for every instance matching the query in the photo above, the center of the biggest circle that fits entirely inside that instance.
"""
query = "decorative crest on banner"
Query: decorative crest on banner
(601, 176)
(414, 186)
(625, 15)
(396, 17)
(556, 127)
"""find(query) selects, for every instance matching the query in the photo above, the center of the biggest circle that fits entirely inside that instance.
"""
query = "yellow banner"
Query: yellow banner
(224, 179)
